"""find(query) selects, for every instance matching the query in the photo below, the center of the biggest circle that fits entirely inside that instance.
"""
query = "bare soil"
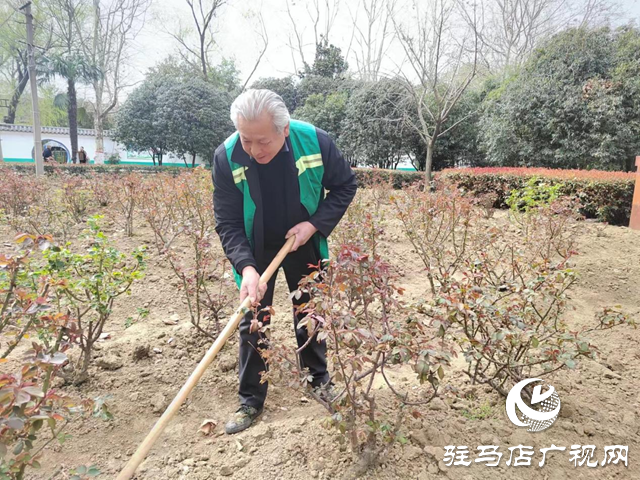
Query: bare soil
(600, 399)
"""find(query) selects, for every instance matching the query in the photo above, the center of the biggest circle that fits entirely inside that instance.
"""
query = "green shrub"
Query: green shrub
(535, 193)
(606, 196)
(114, 159)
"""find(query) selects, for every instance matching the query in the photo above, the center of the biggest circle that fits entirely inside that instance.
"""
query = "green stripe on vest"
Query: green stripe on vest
(306, 153)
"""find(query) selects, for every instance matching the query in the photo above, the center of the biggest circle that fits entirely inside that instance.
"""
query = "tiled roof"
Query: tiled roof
(6, 127)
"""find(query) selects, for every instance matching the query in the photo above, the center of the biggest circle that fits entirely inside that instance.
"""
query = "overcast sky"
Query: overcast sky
(237, 38)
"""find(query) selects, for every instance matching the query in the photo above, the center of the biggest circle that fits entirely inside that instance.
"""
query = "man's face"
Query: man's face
(260, 139)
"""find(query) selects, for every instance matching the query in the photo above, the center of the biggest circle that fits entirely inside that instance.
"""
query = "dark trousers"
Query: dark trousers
(313, 356)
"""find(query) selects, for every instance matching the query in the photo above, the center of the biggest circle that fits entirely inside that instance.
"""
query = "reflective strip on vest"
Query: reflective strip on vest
(308, 161)
(238, 174)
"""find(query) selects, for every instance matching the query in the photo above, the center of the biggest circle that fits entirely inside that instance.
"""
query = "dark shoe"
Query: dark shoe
(242, 419)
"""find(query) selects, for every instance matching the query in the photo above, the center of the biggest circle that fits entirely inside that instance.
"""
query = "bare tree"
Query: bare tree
(295, 42)
(63, 18)
(204, 13)
(261, 31)
(509, 30)
(116, 23)
(373, 37)
(321, 16)
(443, 57)
(13, 49)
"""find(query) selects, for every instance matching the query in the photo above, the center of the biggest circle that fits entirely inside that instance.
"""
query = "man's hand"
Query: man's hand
(250, 286)
(303, 232)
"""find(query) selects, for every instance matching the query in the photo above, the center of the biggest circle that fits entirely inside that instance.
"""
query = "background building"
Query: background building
(17, 146)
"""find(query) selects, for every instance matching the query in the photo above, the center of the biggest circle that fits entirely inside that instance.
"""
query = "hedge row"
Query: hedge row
(365, 176)
(84, 170)
(606, 196)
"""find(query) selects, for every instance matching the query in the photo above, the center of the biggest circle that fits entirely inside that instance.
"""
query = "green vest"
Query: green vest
(308, 159)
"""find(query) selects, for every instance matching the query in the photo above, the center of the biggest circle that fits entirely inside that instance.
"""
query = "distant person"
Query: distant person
(47, 154)
(82, 155)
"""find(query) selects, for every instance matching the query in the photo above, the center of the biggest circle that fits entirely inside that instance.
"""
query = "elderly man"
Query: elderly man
(269, 183)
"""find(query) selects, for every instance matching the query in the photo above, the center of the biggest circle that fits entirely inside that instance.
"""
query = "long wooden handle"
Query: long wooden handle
(137, 458)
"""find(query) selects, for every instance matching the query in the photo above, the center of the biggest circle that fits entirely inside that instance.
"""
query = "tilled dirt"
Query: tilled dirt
(600, 399)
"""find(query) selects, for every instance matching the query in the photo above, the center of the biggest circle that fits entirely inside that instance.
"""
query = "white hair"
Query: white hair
(254, 102)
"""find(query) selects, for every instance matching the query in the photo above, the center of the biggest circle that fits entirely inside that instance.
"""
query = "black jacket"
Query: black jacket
(338, 178)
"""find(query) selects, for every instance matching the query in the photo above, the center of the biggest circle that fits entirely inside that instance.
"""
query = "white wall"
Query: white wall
(18, 147)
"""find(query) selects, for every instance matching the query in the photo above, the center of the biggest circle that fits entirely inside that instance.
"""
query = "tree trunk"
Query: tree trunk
(431, 146)
(203, 55)
(99, 156)
(193, 160)
(98, 87)
(72, 111)
(97, 124)
(15, 99)
(428, 162)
